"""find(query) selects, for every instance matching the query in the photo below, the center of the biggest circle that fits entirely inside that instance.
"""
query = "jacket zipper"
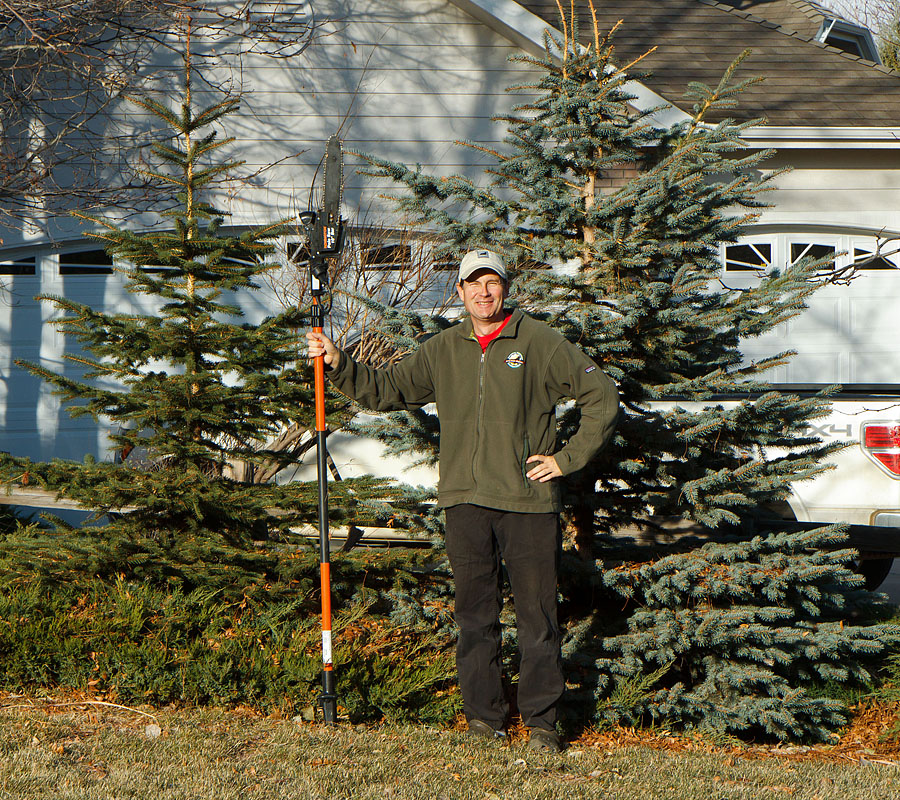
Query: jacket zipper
(526, 446)
(478, 417)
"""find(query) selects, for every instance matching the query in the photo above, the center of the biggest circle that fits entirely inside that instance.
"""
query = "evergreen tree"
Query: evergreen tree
(190, 385)
(889, 41)
(725, 634)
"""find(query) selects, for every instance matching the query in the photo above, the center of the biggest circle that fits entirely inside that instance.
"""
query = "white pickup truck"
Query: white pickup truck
(864, 487)
(849, 336)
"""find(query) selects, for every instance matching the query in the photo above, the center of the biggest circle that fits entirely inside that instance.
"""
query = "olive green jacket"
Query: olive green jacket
(495, 409)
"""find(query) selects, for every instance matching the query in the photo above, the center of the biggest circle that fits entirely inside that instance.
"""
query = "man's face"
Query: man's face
(482, 294)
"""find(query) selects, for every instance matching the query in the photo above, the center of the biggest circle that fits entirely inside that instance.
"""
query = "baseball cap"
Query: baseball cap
(475, 260)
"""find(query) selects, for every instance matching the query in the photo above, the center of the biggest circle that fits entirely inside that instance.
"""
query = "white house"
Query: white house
(410, 78)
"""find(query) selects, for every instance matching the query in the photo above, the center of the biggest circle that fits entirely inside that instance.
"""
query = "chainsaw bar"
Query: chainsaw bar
(333, 180)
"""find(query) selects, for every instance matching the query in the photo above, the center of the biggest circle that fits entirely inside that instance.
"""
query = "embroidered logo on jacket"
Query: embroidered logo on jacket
(515, 360)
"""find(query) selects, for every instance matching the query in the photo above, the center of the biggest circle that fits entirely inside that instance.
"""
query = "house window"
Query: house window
(814, 251)
(748, 257)
(446, 264)
(157, 269)
(18, 266)
(386, 256)
(863, 259)
(86, 262)
(297, 252)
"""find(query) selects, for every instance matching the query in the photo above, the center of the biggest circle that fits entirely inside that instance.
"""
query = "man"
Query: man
(497, 377)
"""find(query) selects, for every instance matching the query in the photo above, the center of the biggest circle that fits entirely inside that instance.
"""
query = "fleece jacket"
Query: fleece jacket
(495, 408)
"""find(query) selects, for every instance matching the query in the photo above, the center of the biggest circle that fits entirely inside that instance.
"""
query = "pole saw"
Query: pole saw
(325, 234)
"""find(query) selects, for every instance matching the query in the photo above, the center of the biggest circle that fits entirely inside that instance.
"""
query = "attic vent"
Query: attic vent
(278, 29)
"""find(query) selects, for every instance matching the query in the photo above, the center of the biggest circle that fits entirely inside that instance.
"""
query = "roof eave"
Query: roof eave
(526, 30)
(818, 138)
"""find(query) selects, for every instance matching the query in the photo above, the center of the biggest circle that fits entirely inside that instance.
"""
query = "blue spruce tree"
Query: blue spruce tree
(729, 633)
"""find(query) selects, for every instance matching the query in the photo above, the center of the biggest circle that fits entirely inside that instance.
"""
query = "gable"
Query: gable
(406, 79)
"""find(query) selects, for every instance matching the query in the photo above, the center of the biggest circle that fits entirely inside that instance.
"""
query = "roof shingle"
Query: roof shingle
(805, 82)
(801, 16)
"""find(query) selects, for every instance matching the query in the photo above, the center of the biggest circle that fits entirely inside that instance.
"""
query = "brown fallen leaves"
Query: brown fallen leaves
(873, 736)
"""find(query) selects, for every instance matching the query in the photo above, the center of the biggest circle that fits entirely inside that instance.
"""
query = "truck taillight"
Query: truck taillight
(890, 460)
(881, 443)
(880, 436)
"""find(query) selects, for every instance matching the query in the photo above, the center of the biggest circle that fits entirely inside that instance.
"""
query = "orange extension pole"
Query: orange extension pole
(325, 230)
(329, 698)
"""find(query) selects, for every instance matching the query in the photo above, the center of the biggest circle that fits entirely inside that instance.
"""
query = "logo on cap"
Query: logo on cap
(515, 360)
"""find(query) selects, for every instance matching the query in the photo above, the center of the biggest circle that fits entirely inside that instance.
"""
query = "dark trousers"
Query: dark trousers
(477, 540)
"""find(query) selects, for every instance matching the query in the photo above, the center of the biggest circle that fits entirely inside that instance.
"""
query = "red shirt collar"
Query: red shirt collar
(485, 340)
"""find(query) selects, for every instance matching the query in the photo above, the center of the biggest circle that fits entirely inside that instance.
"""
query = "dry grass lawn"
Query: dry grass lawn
(87, 750)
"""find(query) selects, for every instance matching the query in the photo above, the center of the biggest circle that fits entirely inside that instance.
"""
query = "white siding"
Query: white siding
(406, 80)
(34, 423)
(841, 188)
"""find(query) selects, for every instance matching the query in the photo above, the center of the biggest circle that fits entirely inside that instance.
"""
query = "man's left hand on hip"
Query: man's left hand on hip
(545, 469)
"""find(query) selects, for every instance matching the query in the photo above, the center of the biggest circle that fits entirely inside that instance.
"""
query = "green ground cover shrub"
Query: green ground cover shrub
(256, 641)
(241, 627)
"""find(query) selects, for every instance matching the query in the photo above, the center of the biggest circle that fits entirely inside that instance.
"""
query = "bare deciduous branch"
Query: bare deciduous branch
(67, 65)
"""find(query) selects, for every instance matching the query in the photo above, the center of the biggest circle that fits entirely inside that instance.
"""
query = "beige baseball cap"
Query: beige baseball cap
(475, 260)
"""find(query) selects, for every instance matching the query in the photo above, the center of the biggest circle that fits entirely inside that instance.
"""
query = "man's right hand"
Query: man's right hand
(318, 344)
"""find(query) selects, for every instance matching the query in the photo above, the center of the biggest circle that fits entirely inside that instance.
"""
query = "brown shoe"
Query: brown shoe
(481, 729)
(544, 741)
